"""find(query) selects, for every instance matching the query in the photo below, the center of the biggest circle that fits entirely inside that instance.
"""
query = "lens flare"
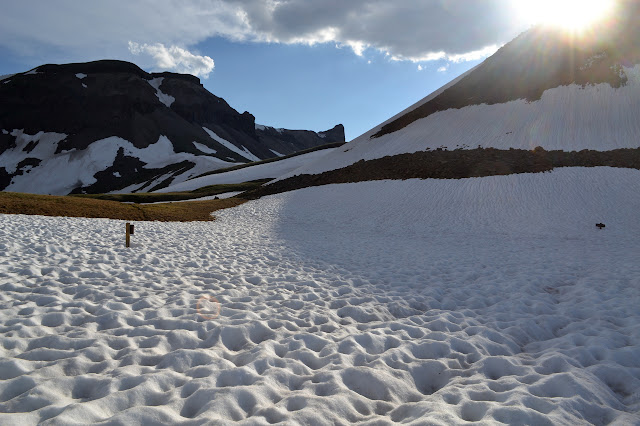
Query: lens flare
(571, 15)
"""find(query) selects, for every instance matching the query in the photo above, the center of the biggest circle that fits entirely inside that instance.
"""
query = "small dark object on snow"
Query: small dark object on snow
(131, 229)
(216, 198)
(600, 225)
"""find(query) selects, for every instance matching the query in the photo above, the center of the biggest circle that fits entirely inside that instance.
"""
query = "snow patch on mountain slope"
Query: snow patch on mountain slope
(80, 75)
(59, 174)
(490, 299)
(568, 118)
(40, 146)
(263, 127)
(255, 172)
(163, 97)
(6, 76)
(204, 148)
(244, 152)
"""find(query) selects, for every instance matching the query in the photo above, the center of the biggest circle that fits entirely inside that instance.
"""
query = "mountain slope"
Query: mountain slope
(64, 110)
(544, 89)
(253, 172)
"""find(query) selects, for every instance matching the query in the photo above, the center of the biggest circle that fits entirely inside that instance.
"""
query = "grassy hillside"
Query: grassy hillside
(72, 206)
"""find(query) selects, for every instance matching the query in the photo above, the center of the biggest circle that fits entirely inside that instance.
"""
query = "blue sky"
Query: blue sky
(316, 87)
(300, 64)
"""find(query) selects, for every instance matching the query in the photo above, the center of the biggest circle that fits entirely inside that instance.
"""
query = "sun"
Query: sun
(571, 15)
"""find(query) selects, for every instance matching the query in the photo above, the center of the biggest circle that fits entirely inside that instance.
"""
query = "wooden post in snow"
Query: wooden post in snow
(128, 238)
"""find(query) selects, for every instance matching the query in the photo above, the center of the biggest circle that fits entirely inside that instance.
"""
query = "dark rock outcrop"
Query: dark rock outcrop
(457, 164)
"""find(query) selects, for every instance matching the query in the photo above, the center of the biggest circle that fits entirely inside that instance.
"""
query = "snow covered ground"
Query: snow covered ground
(100, 155)
(162, 97)
(244, 152)
(424, 302)
(569, 118)
(259, 171)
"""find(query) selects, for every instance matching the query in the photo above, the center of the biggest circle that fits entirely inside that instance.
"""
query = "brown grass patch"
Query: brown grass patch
(49, 205)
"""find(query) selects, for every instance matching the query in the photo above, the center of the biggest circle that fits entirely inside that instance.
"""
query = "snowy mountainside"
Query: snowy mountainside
(253, 172)
(543, 89)
(113, 100)
(570, 118)
(493, 300)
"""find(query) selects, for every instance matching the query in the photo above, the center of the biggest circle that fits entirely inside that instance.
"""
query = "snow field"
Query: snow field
(256, 172)
(244, 152)
(204, 148)
(569, 118)
(72, 168)
(424, 302)
(162, 97)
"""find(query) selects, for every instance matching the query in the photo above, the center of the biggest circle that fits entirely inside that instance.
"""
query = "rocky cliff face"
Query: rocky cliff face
(75, 124)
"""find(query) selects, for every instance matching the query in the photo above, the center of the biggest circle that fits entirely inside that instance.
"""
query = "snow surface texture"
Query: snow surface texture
(490, 299)
(97, 157)
(568, 118)
(163, 97)
(244, 152)
(258, 171)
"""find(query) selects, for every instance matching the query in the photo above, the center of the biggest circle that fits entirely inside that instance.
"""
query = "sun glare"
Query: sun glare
(573, 15)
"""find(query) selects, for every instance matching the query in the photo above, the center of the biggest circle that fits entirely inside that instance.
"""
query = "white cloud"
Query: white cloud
(420, 67)
(175, 58)
(410, 30)
(407, 30)
(475, 55)
(358, 47)
(443, 68)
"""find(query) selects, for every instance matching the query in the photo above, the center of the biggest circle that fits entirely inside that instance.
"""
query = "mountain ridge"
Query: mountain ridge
(119, 102)
(558, 100)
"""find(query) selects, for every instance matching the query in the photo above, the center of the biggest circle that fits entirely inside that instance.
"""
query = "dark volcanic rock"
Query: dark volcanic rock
(283, 141)
(93, 101)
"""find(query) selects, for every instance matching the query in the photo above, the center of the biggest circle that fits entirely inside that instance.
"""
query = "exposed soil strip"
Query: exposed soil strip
(457, 164)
